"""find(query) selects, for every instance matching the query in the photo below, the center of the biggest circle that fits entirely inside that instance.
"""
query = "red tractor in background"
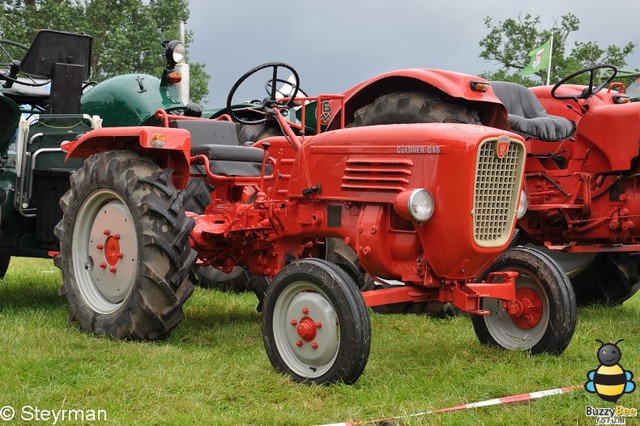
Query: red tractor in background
(582, 179)
(432, 205)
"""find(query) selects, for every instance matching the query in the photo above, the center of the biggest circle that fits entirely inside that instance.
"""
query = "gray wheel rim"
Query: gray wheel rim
(301, 304)
(502, 327)
(104, 251)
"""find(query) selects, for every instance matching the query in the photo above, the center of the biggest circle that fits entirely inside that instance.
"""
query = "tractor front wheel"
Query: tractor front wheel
(124, 249)
(544, 316)
(315, 324)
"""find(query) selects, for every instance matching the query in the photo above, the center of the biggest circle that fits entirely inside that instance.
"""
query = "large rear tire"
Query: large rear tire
(124, 249)
(610, 279)
(315, 324)
(546, 316)
(420, 106)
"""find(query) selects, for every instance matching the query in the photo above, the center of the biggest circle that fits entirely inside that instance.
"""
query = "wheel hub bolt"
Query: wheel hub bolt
(293, 322)
(314, 345)
(299, 343)
(106, 232)
(100, 246)
(318, 324)
(305, 311)
(103, 265)
(112, 269)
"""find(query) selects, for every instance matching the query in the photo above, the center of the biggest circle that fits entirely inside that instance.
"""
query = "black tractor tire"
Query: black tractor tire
(4, 265)
(610, 279)
(315, 326)
(124, 249)
(250, 133)
(420, 106)
(548, 322)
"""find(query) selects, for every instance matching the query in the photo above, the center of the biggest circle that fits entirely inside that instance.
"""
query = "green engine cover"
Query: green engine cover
(129, 100)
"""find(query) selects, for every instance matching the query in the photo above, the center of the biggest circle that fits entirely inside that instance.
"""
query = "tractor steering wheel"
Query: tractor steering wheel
(270, 101)
(6, 51)
(8, 62)
(590, 89)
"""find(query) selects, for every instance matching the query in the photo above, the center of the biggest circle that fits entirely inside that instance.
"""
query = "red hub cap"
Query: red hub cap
(527, 311)
(307, 329)
(112, 251)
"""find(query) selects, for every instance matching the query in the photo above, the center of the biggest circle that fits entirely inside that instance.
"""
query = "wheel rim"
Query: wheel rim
(526, 322)
(306, 329)
(104, 251)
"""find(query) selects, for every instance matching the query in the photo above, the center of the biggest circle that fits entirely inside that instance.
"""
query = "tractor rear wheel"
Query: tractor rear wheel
(545, 318)
(124, 249)
(315, 325)
(419, 106)
(610, 279)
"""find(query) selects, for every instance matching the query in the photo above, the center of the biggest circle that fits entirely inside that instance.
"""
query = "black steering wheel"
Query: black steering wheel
(6, 52)
(8, 62)
(590, 89)
(271, 100)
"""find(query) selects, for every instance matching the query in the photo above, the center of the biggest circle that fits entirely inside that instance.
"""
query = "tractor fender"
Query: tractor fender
(456, 85)
(169, 147)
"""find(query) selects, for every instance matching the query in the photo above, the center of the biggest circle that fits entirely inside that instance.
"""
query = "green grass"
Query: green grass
(213, 369)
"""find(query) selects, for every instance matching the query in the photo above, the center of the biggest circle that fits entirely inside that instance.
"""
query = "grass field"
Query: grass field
(213, 369)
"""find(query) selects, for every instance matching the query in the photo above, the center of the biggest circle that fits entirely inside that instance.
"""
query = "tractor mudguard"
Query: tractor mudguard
(456, 85)
(170, 147)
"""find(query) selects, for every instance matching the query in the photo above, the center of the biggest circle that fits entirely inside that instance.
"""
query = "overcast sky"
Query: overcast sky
(335, 44)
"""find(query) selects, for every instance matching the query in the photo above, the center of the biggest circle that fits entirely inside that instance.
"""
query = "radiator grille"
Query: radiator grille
(496, 191)
(377, 174)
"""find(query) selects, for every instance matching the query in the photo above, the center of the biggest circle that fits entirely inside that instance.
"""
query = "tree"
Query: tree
(127, 34)
(509, 42)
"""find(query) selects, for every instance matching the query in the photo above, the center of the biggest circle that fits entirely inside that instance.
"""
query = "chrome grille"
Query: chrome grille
(496, 191)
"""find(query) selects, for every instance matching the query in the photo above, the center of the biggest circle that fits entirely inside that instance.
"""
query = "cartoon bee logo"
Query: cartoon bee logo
(609, 381)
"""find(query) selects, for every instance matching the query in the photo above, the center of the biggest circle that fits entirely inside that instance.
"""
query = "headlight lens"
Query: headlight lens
(175, 53)
(420, 205)
(415, 204)
(523, 205)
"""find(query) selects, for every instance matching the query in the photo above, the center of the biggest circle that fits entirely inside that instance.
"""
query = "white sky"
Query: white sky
(335, 44)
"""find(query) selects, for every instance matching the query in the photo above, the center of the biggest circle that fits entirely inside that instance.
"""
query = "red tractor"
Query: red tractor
(582, 176)
(432, 205)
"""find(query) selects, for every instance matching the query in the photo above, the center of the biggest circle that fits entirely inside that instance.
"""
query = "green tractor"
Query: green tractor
(45, 99)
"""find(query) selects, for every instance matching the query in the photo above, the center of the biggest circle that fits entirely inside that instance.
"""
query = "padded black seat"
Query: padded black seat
(528, 117)
(230, 160)
(208, 132)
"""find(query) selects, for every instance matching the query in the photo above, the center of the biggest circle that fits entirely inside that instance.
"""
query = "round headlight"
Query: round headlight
(175, 53)
(420, 205)
(523, 205)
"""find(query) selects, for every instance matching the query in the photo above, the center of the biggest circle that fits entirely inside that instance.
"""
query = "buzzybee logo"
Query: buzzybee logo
(610, 381)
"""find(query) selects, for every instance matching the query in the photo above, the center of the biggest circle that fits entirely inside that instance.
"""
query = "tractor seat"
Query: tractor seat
(232, 160)
(22, 94)
(209, 132)
(528, 117)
